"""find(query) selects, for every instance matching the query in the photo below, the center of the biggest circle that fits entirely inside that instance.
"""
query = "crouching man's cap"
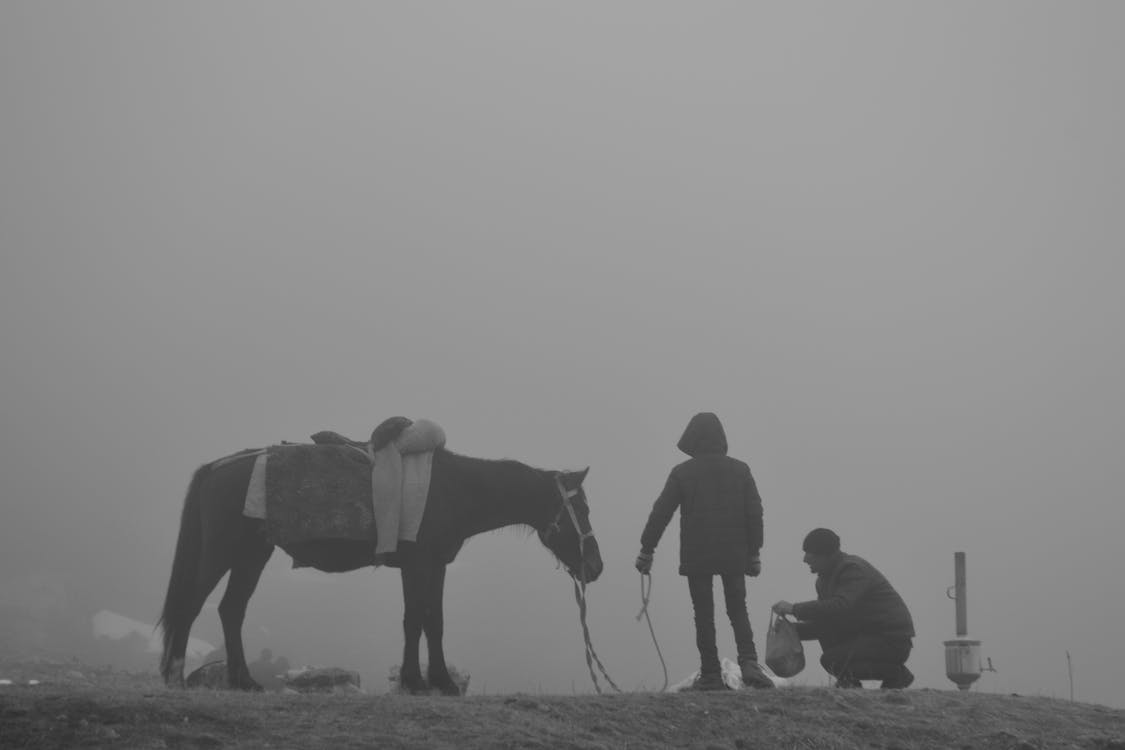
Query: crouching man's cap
(821, 542)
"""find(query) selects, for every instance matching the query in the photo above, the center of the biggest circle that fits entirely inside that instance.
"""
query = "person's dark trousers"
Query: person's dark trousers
(702, 600)
(864, 657)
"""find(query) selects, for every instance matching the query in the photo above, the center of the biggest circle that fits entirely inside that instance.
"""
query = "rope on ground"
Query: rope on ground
(646, 594)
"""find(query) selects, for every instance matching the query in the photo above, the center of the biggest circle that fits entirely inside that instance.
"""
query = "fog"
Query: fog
(883, 242)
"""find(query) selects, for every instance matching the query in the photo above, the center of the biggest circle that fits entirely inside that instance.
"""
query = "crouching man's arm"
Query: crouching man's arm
(806, 629)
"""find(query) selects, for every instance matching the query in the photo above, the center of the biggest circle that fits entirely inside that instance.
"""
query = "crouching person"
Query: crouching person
(863, 625)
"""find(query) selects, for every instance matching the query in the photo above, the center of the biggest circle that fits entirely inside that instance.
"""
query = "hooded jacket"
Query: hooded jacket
(720, 509)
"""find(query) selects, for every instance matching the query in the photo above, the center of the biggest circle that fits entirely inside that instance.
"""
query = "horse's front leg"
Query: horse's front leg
(434, 625)
(410, 673)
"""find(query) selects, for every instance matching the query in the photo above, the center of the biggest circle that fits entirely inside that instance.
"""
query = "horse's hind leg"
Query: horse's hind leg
(244, 575)
(206, 581)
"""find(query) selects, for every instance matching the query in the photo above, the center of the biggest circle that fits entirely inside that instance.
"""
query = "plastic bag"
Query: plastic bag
(784, 653)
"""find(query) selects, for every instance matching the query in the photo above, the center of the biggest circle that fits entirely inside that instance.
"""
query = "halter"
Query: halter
(578, 580)
(567, 507)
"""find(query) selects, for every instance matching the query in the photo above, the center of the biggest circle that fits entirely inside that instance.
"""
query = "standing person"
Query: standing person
(720, 535)
(863, 625)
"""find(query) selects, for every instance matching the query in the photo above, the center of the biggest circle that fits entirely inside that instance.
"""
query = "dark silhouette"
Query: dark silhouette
(863, 625)
(720, 535)
(467, 496)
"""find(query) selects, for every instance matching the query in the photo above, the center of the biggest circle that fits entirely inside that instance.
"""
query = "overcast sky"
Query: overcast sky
(883, 241)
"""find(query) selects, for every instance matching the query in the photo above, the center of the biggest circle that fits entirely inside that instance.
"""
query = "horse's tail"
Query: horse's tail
(179, 610)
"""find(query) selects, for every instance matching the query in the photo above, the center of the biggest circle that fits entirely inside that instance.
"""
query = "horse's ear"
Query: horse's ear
(582, 475)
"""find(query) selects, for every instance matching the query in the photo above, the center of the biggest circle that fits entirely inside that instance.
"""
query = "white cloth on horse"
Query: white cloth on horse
(256, 490)
(400, 483)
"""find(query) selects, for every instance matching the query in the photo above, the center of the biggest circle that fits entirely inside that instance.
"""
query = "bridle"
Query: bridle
(566, 506)
(578, 580)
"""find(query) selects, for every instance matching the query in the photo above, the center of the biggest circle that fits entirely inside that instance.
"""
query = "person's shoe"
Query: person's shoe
(708, 682)
(848, 683)
(753, 676)
(900, 681)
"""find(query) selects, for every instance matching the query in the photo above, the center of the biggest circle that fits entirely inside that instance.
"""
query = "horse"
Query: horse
(467, 496)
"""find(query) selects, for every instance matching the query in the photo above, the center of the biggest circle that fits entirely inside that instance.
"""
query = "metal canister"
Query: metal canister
(962, 661)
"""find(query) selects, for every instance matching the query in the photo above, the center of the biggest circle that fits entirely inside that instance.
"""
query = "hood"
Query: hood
(704, 435)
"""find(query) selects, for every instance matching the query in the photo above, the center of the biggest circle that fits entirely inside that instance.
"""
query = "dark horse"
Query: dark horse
(467, 496)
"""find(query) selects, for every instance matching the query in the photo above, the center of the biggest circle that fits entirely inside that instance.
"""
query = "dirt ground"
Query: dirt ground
(68, 704)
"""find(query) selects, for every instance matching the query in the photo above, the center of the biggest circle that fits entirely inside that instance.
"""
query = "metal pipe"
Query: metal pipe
(959, 593)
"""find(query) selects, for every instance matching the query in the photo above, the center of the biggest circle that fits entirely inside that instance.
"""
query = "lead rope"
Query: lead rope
(580, 596)
(591, 654)
(646, 594)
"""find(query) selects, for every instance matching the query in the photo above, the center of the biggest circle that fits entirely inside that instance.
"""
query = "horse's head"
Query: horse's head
(568, 534)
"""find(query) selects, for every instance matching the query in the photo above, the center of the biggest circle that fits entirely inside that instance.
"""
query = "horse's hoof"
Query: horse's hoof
(445, 685)
(450, 689)
(415, 686)
(248, 685)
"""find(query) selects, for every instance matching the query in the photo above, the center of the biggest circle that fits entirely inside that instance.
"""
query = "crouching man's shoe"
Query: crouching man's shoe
(902, 679)
(753, 676)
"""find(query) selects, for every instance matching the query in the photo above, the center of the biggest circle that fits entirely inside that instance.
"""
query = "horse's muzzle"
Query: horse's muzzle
(592, 563)
(593, 571)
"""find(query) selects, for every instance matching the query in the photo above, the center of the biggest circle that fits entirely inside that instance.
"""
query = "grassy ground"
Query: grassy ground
(74, 706)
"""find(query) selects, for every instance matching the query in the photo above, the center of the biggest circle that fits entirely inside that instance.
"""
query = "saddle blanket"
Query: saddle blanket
(308, 492)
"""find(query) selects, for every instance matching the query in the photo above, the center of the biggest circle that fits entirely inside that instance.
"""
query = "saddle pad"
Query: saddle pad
(314, 492)
(310, 492)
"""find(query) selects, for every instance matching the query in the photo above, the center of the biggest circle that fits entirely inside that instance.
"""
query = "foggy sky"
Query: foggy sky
(882, 241)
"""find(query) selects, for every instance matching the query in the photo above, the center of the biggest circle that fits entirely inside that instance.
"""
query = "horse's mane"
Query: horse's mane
(512, 465)
(499, 462)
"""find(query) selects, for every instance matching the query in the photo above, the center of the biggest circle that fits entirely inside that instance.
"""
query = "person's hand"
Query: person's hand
(754, 566)
(644, 563)
(783, 607)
